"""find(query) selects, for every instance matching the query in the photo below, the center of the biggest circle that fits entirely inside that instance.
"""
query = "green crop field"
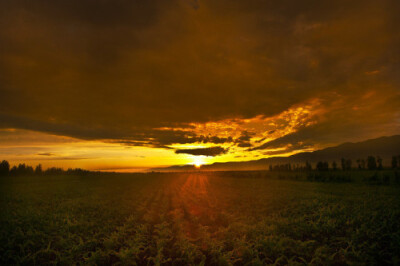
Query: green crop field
(201, 218)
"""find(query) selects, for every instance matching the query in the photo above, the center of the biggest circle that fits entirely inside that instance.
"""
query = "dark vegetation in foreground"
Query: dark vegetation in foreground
(212, 218)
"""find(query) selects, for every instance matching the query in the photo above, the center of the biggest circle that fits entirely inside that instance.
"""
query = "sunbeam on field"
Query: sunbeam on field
(207, 218)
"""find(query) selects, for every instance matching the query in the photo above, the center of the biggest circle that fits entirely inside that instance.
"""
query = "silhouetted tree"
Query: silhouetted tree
(379, 161)
(322, 166)
(359, 163)
(394, 162)
(308, 166)
(38, 169)
(348, 164)
(371, 163)
(77, 171)
(54, 171)
(362, 163)
(334, 166)
(343, 163)
(21, 169)
(13, 170)
(29, 170)
(281, 167)
(4, 168)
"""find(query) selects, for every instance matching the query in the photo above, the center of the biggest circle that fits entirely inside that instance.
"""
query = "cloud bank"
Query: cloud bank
(247, 75)
(212, 151)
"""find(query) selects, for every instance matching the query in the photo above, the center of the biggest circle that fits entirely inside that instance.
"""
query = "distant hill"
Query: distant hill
(385, 147)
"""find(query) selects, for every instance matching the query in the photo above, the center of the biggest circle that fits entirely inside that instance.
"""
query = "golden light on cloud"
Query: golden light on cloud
(264, 128)
(241, 137)
(237, 139)
(23, 146)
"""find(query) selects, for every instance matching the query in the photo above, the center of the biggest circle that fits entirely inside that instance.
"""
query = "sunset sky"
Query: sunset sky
(127, 85)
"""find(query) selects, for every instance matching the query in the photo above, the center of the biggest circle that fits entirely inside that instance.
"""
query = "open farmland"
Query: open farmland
(199, 218)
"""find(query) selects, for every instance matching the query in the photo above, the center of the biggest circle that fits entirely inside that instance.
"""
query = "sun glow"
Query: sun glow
(198, 162)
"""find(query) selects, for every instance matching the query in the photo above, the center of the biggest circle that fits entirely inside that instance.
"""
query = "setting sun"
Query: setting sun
(198, 162)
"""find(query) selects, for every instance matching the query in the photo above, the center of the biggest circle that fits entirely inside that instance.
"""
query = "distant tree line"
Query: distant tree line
(23, 169)
(371, 163)
(290, 167)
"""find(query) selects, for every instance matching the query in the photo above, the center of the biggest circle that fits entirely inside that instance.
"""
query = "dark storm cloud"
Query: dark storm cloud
(162, 139)
(72, 158)
(55, 157)
(46, 154)
(212, 151)
(244, 139)
(214, 139)
(118, 70)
